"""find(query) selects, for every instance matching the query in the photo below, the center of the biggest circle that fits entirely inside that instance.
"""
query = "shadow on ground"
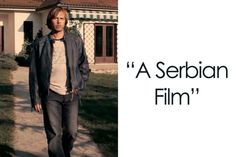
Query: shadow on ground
(24, 154)
(99, 113)
(7, 151)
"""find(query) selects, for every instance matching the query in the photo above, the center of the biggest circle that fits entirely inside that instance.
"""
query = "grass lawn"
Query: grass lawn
(6, 113)
(99, 112)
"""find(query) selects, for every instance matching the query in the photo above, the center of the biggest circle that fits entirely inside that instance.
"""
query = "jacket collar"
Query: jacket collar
(51, 40)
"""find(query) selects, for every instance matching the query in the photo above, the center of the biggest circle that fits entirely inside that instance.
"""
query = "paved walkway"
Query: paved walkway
(29, 136)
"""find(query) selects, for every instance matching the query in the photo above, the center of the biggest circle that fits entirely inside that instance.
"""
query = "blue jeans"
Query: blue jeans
(60, 114)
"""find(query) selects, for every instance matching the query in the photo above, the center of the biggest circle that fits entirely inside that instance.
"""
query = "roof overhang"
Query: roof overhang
(78, 7)
(16, 9)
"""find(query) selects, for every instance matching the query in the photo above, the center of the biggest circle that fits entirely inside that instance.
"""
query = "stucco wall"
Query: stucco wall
(20, 17)
(9, 38)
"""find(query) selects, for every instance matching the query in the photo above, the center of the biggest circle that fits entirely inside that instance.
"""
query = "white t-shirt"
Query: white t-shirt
(58, 73)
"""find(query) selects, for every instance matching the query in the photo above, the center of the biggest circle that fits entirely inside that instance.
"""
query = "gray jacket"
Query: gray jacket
(41, 65)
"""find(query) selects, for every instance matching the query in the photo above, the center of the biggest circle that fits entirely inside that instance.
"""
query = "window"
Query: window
(109, 40)
(99, 41)
(105, 43)
(1, 38)
(28, 31)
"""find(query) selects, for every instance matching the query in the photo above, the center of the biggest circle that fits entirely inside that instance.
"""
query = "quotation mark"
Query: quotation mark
(132, 65)
(195, 90)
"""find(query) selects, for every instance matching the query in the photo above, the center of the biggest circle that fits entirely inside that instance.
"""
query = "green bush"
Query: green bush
(7, 61)
(22, 60)
(23, 57)
(74, 28)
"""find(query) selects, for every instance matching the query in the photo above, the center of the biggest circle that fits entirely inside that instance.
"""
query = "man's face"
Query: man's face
(58, 22)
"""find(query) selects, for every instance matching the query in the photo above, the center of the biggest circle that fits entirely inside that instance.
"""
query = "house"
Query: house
(96, 21)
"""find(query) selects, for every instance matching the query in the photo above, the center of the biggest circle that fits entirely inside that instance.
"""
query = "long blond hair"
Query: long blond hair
(53, 13)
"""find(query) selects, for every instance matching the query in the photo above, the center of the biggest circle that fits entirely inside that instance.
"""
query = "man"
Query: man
(58, 71)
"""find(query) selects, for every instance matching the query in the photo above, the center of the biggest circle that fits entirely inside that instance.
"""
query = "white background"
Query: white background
(176, 31)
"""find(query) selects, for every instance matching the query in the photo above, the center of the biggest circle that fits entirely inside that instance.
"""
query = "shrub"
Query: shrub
(73, 29)
(23, 57)
(7, 61)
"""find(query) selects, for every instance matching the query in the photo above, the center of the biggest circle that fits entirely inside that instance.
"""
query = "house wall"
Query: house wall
(20, 17)
(9, 37)
(88, 29)
(13, 22)
(87, 26)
